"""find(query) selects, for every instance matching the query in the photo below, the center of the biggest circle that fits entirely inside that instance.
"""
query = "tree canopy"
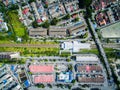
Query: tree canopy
(84, 3)
(54, 21)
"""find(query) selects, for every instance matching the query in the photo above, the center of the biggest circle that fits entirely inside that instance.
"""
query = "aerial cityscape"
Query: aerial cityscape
(59, 44)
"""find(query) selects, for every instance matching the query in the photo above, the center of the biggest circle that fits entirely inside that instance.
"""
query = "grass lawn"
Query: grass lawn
(91, 51)
(33, 51)
(18, 27)
(7, 41)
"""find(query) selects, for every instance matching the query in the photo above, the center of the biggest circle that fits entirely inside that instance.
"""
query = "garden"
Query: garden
(18, 27)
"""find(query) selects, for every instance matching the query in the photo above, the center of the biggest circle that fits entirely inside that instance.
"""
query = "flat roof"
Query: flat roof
(43, 79)
(41, 68)
(88, 68)
(75, 46)
(86, 57)
(111, 31)
(91, 80)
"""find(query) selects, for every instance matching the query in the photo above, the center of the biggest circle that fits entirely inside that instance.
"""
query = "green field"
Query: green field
(32, 51)
(18, 27)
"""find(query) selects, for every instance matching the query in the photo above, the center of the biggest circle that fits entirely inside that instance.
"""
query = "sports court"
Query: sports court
(41, 68)
(43, 79)
(111, 31)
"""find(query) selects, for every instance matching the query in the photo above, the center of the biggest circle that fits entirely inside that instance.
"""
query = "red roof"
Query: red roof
(41, 68)
(25, 11)
(88, 68)
(39, 20)
(43, 79)
(0, 20)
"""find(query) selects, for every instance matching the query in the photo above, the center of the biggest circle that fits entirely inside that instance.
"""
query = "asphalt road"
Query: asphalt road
(97, 40)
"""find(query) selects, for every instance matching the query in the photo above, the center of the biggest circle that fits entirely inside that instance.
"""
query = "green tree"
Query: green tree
(13, 7)
(68, 60)
(73, 81)
(67, 16)
(89, 12)
(49, 85)
(76, 19)
(70, 67)
(41, 86)
(30, 1)
(46, 6)
(54, 21)
(34, 24)
(84, 3)
(46, 24)
(23, 4)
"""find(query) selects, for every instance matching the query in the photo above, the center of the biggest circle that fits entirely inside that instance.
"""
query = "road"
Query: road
(45, 58)
(108, 45)
(31, 45)
(111, 45)
(99, 44)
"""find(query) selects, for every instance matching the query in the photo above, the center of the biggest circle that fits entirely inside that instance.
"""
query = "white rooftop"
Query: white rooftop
(87, 57)
(75, 46)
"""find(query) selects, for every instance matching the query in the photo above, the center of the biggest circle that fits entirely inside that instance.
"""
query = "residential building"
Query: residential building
(72, 6)
(57, 10)
(8, 80)
(55, 31)
(51, 1)
(37, 32)
(42, 12)
(77, 28)
(9, 55)
(3, 25)
(101, 4)
(21, 75)
(34, 8)
(8, 2)
(89, 70)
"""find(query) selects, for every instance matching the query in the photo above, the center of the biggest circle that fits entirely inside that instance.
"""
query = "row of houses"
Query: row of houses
(53, 32)
(57, 31)
(89, 69)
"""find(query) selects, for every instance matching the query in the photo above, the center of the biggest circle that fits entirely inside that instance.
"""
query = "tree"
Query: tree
(84, 3)
(34, 24)
(89, 12)
(54, 21)
(76, 19)
(70, 67)
(13, 7)
(73, 81)
(2, 8)
(40, 86)
(67, 16)
(68, 60)
(30, 1)
(46, 6)
(23, 4)
(46, 24)
(49, 85)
